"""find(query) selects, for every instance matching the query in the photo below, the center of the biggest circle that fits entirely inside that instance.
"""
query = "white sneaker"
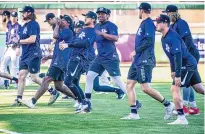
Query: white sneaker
(131, 116)
(81, 108)
(175, 113)
(27, 103)
(76, 104)
(179, 122)
(169, 110)
(53, 98)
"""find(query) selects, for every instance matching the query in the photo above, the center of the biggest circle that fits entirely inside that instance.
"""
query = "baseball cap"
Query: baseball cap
(5, 13)
(171, 8)
(163, 18)
(102, 9)
(28, 9)
(145, 6)
(49, 16)
(79, 24)
(108, 11)
(67, 18)
(91, 15)
(14, 14)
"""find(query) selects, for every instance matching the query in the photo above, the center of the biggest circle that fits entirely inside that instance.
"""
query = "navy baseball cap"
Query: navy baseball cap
(28, 9)
(49, 16)
(79, 24)
(14, 14)
(102, 9)
(67, 18)
(5, 13)
(108, 11)
(163, 18)
(91, 15)
(171, 8)
(145, 6)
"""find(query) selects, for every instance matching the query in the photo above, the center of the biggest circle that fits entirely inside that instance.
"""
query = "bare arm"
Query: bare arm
(29, 40)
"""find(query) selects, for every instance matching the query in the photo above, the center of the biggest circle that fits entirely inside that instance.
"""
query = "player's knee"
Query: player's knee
(33, 77)
(58, 86)
(130, 85)
(22, 76)
(145, 88)
(90, 77)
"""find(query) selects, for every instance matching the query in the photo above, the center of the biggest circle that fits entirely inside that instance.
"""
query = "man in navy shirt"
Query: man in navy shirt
(183, 65)
(31, 52)
(107, 58)
(144, 61)
(62, 32)
(182, 28)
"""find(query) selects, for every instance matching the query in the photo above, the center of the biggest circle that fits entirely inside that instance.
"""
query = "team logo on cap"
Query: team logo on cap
(101, 9)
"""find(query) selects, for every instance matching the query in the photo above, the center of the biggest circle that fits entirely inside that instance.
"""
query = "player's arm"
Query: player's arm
(145, 44)
(56, 32)
(110, 37)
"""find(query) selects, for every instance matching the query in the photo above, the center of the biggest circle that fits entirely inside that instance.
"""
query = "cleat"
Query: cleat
(194, 111)
(138, 104)
(179, 122)
(186, 110)
(27, 103)
(121, 95)
(131, 116)
(53, 98)
(169, 110)
(15, 104)
(81, 108)
(76, 104)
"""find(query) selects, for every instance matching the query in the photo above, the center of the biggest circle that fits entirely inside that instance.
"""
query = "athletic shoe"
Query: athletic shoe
(88, 110)
(168, 111)
(131, 116)
(194, 111)
(66, 97)
(121, 95)
(99, 92)
(15, 103)
(186, 110)
(53, 98)
(138, 105)
(81, 108)
(174, 113)
(179, 122)
(76, 104)
(27, 103)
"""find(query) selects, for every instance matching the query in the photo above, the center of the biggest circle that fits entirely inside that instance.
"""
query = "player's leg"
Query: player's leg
(8, 76)
(186, 96)
(34, 69)
(193, 110)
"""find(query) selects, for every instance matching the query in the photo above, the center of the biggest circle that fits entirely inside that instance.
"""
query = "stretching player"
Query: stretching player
(144, 61)
(62, 32)
(107, 58)
(182, 28)
(183, 65)
(31, 53)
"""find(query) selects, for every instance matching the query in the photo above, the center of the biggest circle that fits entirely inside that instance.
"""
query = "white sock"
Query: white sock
(193, 104)
(185, 103)
(118, 81)
(89, 81)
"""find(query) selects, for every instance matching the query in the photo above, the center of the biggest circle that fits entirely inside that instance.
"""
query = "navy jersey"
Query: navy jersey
(7, 30)
(13, 31)
(60, 58)
(172, 44)
(146, 56)
(182, 28)
(30, 51)
(89, 52)
(106, 48)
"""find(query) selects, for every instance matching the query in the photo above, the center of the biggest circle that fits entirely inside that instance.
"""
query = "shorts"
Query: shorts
(32, 65)
(141, 74)
(112, 67)
(189, 78)
(56, 73)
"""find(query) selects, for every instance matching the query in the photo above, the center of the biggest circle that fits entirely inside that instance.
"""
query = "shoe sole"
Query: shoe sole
(22, 103)
(50, 103)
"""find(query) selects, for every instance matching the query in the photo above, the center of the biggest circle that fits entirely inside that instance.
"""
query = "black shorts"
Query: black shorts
(189, 78)
(141, 74)
(112, 67)
(33, 65)
(56, 73)
(74, 69)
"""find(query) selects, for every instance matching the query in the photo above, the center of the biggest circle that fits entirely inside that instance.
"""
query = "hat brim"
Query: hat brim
(84, 15)
(164, 11)
(102, 12)
(21, 11)
(45, 20)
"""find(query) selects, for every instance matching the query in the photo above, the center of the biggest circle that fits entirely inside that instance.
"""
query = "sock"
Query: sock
(50, 90)
(15, 79)
(193, 104)
(19, 96)
(185, 103)
(165, 102)
(133, 109)
(33, 100)
(88, 96)
(180, 111)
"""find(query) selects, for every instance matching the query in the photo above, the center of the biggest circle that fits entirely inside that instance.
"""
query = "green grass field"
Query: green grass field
(104, 119)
